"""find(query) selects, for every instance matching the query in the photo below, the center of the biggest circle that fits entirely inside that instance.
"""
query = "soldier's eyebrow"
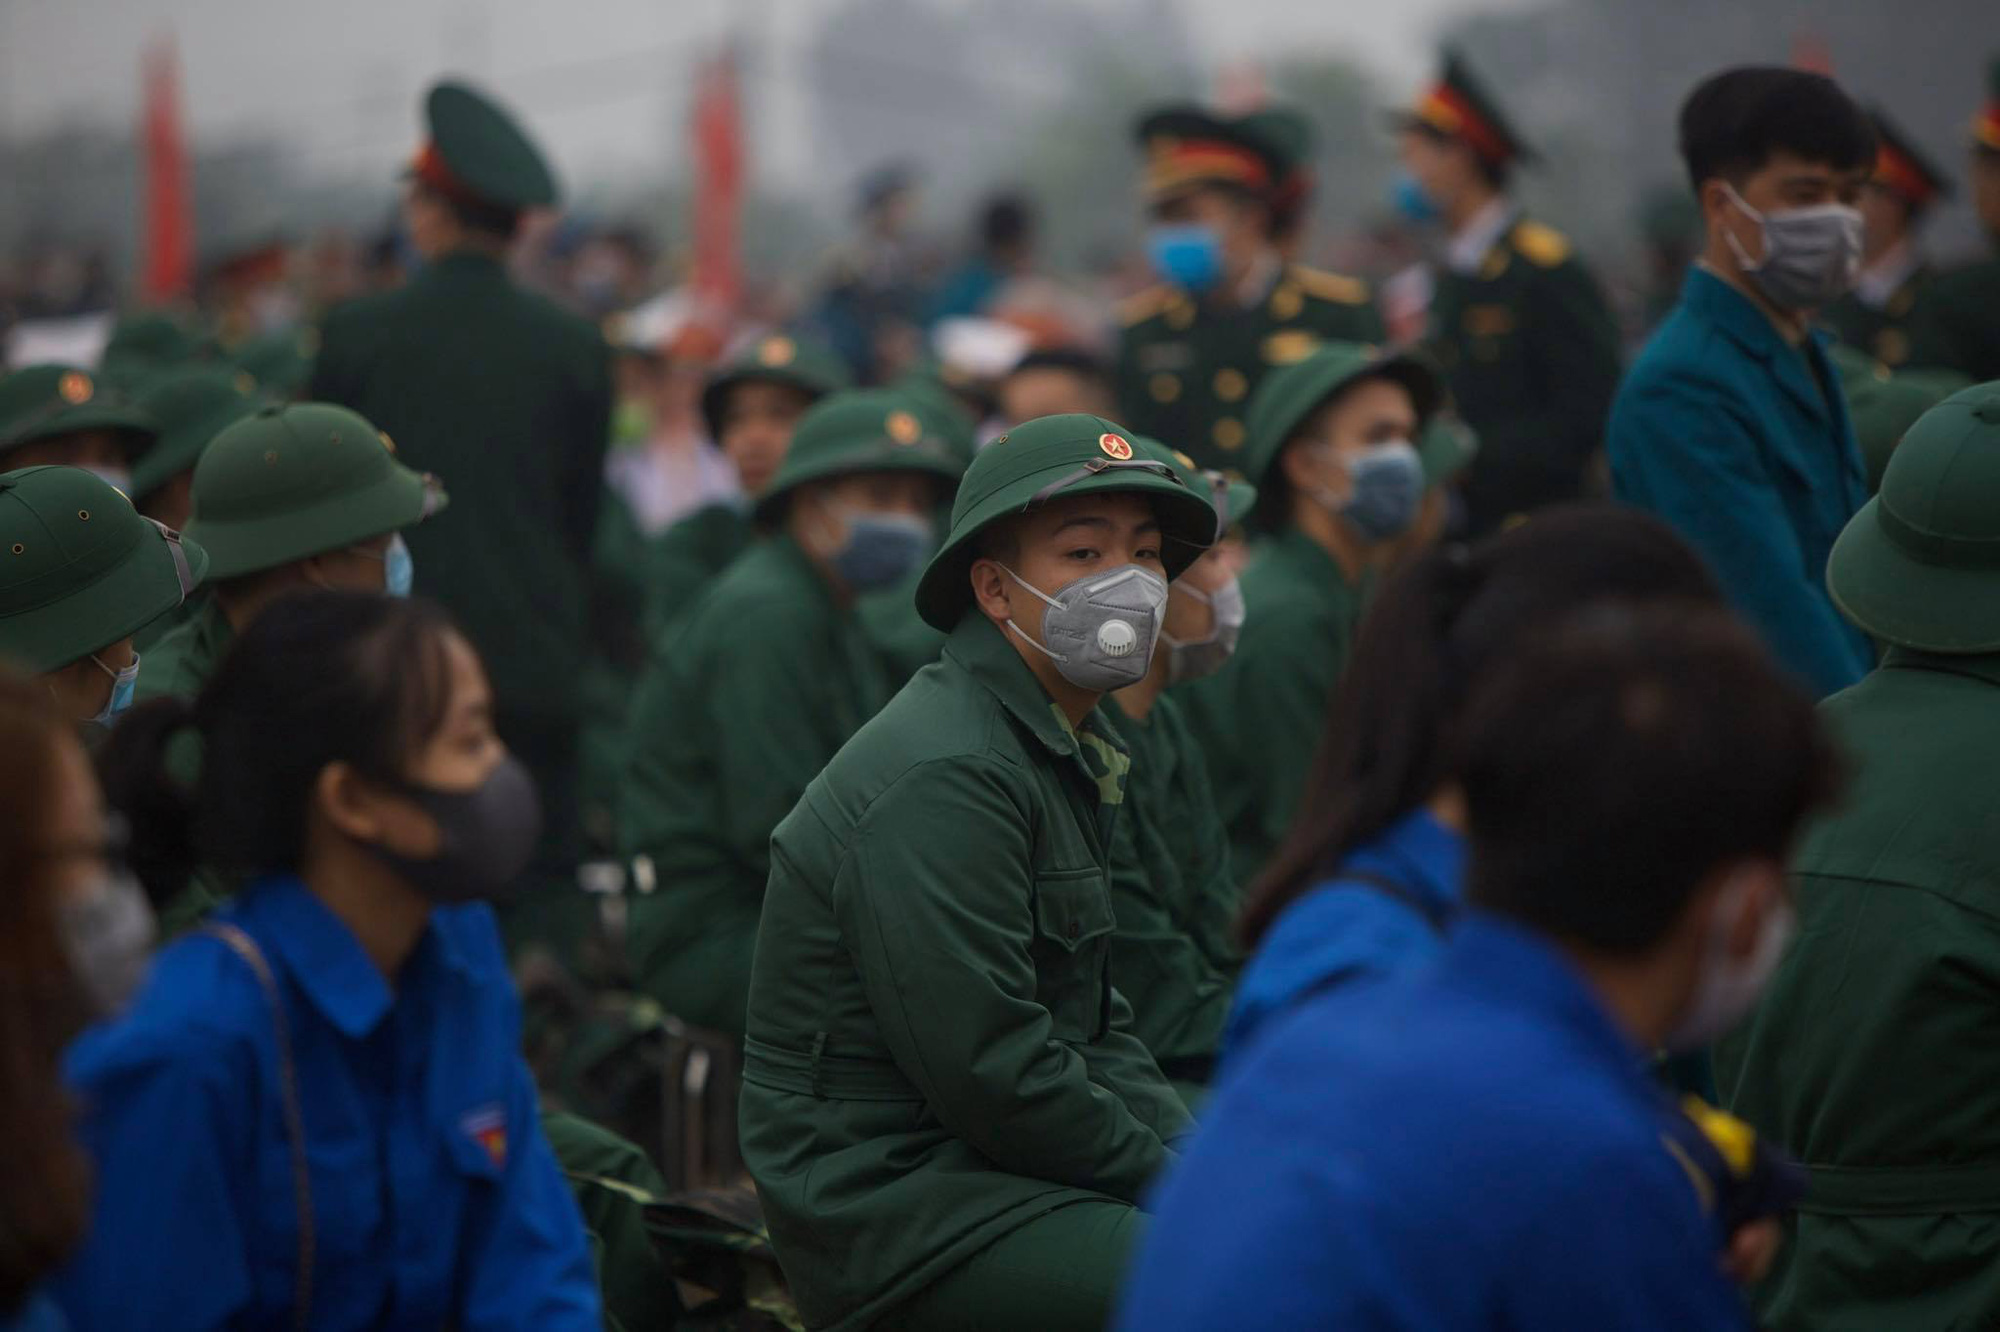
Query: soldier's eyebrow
(1097, 522)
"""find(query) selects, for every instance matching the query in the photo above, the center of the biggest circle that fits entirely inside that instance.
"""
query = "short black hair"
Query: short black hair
(1073, 359)
(1613, 766)
(491, 220)
(1734, 121)
(1005, 221)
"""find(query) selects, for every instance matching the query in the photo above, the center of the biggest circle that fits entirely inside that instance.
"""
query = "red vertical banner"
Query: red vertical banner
(1811, 53)
(718, 192)
(168, 224)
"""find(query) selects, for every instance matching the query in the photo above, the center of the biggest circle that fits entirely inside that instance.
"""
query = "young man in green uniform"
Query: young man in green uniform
(1871, 1055)
(59, 416)
(1230, 306)
(1175, 954)
(751, 408)
(1957, 324)
(81, 572)
(1874, 318)
(759, 683)
(1517, 322)
(947, 1117)
(294, 497)
(481, 381)
(189, 408)
(1341, 484)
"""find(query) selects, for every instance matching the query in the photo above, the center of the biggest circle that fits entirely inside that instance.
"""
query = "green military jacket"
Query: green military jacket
(614, 1183)
(181, 662)
(1186, 371)
(689, 556)
(749, 693)
(936, 1055)
(1874, 1056)
(508, 399)
(1174, 955)
(1880, 332)
(1956, 325)
(1259, 719)
(1531, 353)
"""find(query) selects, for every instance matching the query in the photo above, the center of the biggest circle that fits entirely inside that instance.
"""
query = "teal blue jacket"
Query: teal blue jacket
(1722, 431)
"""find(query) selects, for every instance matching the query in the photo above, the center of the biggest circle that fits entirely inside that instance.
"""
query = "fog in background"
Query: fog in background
(299, 115)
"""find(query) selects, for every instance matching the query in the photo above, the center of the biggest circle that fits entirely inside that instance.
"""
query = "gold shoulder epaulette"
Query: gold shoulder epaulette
(1542, 245)
(1143, 305)
(1330, 286)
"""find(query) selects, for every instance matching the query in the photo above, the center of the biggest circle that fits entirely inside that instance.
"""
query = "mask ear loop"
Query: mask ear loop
(1021, 633)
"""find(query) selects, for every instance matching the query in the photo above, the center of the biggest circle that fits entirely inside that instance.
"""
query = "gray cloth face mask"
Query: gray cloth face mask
(1811, 255)
(1100, 630)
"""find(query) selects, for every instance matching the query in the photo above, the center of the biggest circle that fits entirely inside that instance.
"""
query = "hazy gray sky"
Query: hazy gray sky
(602, 81)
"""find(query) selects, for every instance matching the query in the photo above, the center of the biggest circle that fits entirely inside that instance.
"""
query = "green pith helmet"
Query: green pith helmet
(1290, 395)
(281, 363)
(41, 401)
(864, 430)
(941, 410)
(482, 151)
(1919, 566)
(1885, 403)
(80, 568)
(145, 345)
(190, 407)
(1238, 497)
(1072, 454)
(777, 358)
(299, 480)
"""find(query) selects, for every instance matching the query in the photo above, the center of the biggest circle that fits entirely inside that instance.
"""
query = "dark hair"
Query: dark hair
(1006, 221)
(1733, 122)
(1442, 622)
(44, 1174)
(1611, 767)
(493, 221)
(317, 678)
(1075, 360)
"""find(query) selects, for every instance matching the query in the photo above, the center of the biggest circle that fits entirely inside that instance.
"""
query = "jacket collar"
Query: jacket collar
(1419, 853)
(980, 648)
(1711, 299)
(463, 261)
(318, 950)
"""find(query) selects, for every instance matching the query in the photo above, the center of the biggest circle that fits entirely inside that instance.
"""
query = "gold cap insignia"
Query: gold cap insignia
(74, 387)
(776, 352)
(1114, 446)
(244, 383)
(903, 427)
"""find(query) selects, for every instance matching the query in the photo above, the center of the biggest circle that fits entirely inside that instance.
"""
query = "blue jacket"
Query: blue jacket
(436, 1200)
(1479, 1148)
(1721, 431)
(1345, 930)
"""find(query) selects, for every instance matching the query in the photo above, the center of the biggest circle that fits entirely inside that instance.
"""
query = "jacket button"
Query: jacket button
(1074, 930)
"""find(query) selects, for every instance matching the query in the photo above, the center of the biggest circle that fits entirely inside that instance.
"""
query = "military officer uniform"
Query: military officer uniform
(1259, 719)
(1874, 318)
(1957, 324)
(1188, 364)
(1520, 328)
(477, 379)
(748, 695)
(1871, 1055)
(943, 1107)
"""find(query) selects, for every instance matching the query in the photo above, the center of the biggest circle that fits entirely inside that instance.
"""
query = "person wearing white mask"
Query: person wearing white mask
(1341, 487)
(1732, 426)
(1483, 1145)
(1175, 953)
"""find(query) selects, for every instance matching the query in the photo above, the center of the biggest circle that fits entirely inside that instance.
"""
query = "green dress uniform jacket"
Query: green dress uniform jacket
(1957, 323)
(1186, 370)
(1531, 353)
(747, 697)
(1875, 1053)
(181, 662)
(508, 398)
(936, 1056)
(1174, 955)
(1882, 332)
(1259, 719)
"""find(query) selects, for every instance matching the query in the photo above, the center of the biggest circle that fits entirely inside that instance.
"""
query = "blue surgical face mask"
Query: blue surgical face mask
(1411, 200)
(1386, 493)
(880, 548)
(1187, 254)
(399, 571)
(123, 684)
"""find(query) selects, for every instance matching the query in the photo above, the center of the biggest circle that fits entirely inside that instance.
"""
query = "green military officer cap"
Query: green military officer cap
(190, 407)
(477, 151)
(1071, 454)
(1919, 566)
(299, 480)
(146, 344)
(1290, 395)
(1459, 107)
(1189, 147)
(42, 401)
(862, 430)
(80, 568)
(280, 363)
(776, 358)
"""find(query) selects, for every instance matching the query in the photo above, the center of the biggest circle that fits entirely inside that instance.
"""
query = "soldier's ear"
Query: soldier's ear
(989, 590)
